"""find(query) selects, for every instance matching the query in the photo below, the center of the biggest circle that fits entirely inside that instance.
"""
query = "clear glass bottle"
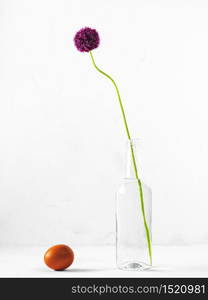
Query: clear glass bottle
(131, 239)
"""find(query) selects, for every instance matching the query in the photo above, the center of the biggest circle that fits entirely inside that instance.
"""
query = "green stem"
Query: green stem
(133, 158)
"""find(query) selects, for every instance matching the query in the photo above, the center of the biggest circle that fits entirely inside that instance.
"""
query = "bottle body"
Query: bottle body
(131, 242)
(132, 252)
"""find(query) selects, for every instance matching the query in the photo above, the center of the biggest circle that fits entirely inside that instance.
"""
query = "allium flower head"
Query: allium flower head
(86, 39)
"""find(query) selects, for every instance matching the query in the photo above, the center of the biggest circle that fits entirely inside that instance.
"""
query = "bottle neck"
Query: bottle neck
(132, 165)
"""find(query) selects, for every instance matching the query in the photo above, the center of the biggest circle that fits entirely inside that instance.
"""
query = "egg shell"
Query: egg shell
(59, 257)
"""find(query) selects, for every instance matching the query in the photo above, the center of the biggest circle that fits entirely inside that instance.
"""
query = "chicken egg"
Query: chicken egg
(59, 257)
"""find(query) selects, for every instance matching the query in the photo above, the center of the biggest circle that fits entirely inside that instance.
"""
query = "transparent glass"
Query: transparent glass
(131, 240)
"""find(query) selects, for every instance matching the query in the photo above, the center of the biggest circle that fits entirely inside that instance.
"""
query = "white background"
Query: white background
(62, 140)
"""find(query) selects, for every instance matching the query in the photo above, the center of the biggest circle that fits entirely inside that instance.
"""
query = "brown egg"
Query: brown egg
(59, 257)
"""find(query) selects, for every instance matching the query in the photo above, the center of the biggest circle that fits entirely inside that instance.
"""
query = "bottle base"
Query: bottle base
(133, 266)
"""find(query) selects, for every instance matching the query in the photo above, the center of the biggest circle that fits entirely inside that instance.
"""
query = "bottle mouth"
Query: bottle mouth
(131, 161)
(134, 141)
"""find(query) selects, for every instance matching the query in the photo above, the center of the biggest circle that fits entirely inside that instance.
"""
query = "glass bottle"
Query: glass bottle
(131, 238)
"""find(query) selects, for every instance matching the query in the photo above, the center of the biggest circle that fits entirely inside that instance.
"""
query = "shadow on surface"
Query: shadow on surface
(72, 270)
(77, 270)
(157, 269)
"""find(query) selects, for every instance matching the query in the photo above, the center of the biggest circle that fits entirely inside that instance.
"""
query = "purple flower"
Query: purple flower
(86, 39)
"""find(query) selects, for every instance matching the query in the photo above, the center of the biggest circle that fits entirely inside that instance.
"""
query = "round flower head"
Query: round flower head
(86, 39)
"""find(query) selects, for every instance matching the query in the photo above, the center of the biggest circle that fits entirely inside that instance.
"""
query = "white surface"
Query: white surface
(61, 134)
(169, 261)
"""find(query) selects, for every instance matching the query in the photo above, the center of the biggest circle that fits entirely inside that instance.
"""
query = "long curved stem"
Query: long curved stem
(133, 158)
